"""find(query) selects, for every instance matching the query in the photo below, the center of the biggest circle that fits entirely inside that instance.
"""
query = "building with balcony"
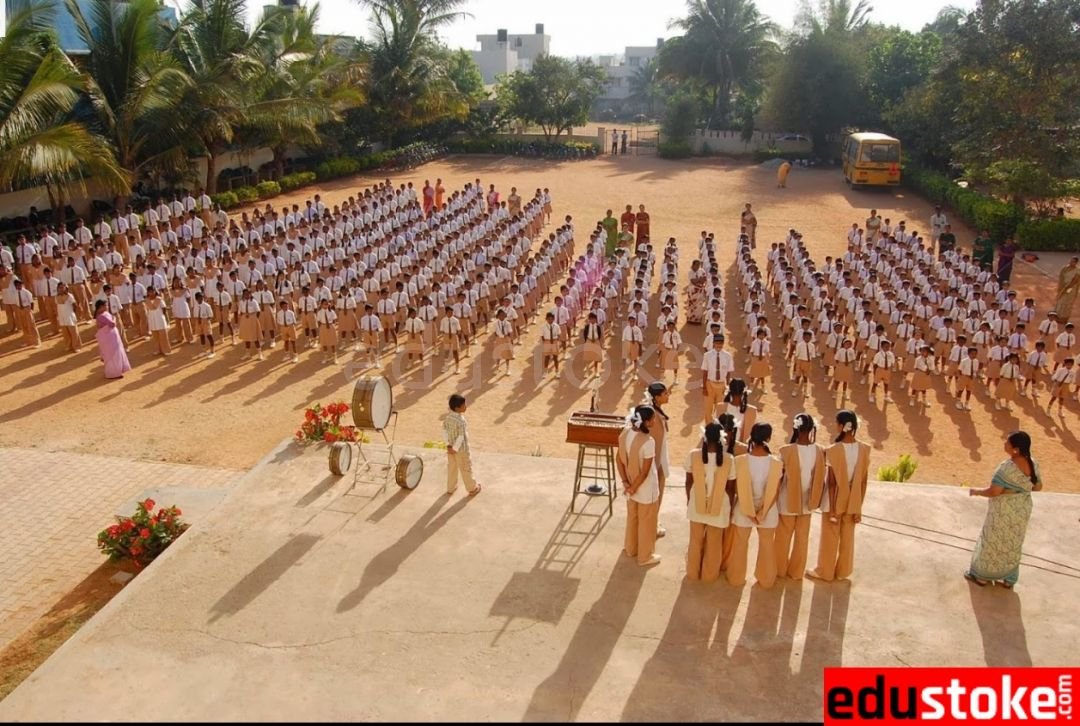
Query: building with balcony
(502, 53)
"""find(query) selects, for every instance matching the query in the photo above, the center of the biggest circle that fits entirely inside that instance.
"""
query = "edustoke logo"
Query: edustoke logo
(948, 695)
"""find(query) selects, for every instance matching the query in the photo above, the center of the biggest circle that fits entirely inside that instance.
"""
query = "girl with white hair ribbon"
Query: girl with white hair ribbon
(637, 472)
(804, 477)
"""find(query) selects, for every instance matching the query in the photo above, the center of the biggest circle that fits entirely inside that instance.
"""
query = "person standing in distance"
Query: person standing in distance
(458, 455)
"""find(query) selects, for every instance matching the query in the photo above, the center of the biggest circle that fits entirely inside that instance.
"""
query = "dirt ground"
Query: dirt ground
(225, 412)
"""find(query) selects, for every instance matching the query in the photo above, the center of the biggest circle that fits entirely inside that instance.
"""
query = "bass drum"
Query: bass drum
(340, 457)
(372, 403)
(409, 471)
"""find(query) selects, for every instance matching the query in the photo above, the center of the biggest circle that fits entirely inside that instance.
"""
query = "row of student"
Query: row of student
(734, 488)
(884, 320)
(226, 305)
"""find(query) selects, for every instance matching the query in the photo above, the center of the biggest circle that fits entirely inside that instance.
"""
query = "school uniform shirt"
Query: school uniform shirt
(449, 326)
(1018, 341)
(649, 491)
(718, 364)
(672, 340)
(592, 332)
(711, 463)
(1065, 341)
(325, 316)
(760, 348)
(1010, 371)
(551, 332)
(203, 311)
(946, 335)
(65, 311)
(969, 367)
(1048, 328)
(503, 328)
(925, 364)
(632, 334)
(1063, 375)
(805, 351)
(885, 359)
(760, 467)
(1037, 360)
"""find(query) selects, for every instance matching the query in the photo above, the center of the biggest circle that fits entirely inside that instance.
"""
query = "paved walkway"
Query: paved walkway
(52, 505)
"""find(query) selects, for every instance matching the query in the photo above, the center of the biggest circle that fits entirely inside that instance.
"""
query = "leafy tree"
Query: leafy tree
(134, 87)
(555, 94)
(39, 87)
(466, 76)
(726, 45)
(899, 61)
(647, 87)
(833, 16)
(681, 118)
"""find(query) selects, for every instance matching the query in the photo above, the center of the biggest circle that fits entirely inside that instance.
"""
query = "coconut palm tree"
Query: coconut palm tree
(726, 45)
(409, 83)
(39, 141)
(835, 16)
(134, 86)
(646, 87)
(222, 57)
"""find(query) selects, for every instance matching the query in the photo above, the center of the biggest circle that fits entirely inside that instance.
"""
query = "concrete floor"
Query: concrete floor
(297, 600)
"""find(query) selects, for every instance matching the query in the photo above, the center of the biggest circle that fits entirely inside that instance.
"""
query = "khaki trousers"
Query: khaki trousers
(138, 319)
(705, 556)
(714, 396)
(792, 539)
(71, 337)
(836, 552)
(459, 463)
(764, 569)
(24, 318)
(641, 529)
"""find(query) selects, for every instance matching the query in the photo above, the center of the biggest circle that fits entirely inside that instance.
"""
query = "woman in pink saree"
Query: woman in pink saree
(110, 345)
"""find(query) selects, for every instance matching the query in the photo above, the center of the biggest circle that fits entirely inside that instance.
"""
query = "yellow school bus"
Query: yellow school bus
(871, 159)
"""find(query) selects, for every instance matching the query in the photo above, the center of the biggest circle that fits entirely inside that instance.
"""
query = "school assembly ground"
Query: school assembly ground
(296, 598)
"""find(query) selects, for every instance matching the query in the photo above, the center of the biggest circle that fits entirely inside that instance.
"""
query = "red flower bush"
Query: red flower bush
(323, 423)
(143, 536)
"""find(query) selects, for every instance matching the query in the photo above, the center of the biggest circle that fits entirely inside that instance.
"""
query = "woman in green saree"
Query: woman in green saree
(997, 552)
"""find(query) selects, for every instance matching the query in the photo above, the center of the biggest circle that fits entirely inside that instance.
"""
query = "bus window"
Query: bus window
(880, 153)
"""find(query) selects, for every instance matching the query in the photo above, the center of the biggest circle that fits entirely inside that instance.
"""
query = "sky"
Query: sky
(592, 27)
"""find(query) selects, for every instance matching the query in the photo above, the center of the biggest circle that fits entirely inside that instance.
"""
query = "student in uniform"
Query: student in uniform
(804, 353)
(204, 324)
(550, 335)
(1035, 369)
(759, 360)
(503, 351)
(156, 322)
(181, 313)
(846, 479)
(458, 453)
(348, 324)
(67, 319)
(450, 336)
(804, 477)
(370, 327)
(632, 339)
(326, 319)
(670, 342)
(285, 322)
(635, 461)
(967, 375)
(308, 307)
(414, 337)
(717, 367)
(708, 504)
(757, 484)
(925, 368)
(1065, 345)
(1059, 384)
(884, 364)
(592, 339)
(1008, 384)
(249, 324)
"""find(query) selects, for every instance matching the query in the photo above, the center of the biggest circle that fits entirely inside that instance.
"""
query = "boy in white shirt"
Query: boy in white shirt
(884, 363)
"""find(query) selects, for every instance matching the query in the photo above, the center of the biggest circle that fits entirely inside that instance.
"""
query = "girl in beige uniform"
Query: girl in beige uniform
(637, 472)
(414, 337)
(804, 476)
(285, 321)
(250, 332)
(708, 505)
(757, 486)
(846, 478)
(592, 337)
(326, 319)
(670, 342)
(157, 322)
(204, 324)
(67, 319)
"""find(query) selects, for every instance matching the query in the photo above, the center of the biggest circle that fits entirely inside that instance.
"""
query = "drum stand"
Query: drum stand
(374, 466)
(596, 468)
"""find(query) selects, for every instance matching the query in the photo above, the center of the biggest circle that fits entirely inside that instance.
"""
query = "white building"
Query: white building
(620, 69)
(502, 53)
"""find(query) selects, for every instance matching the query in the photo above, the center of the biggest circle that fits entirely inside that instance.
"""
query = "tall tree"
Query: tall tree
(133, 85)
(835, 16)
(409, 80)
(647, 87)
(39, 87)
(555, 94)
(726, 45)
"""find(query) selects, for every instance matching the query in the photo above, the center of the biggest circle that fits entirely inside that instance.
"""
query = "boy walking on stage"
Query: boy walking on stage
(458, 459)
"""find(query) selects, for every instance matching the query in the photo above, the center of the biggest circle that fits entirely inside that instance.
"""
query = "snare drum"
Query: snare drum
(409, 471)
(340, 457)
(372, 403)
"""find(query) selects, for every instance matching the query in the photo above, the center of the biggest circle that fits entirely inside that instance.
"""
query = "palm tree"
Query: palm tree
(219, 54)
(726, 44)
(646, 88)
(134, 86)
(409, 82)
(39, 141)
(299, 64)
(834, 16)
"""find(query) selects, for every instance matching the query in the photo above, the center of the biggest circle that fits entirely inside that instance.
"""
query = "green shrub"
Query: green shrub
(268, 189)
(675, 150)
(227, 200)
(772, 152)
(900, 472)
(979, 210)
(336, 168)
(1049, 234)
(295, 181)
(246, 194)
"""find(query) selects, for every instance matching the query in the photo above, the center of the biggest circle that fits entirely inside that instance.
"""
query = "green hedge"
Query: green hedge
(675, 150)
(335, 168)
(295, 181)
(979, 210)
(268, 189)
(1050, 234)
(771, 153)
(517, 147)
(227, 200)
(246, 194)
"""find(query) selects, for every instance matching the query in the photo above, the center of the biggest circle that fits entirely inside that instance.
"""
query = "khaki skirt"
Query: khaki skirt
(669, 359)
(250, 330)
(550, 347)
(965, 383)
(504, 349)
(1006, 388)
(759, 367)
(414, 343)
(993, 369)
(593, 352)
(920, 381)
(845, 373)
(327, 335)
(631, 350)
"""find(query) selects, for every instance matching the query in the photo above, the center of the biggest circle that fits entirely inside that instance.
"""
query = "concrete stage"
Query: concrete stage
(296, 600)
